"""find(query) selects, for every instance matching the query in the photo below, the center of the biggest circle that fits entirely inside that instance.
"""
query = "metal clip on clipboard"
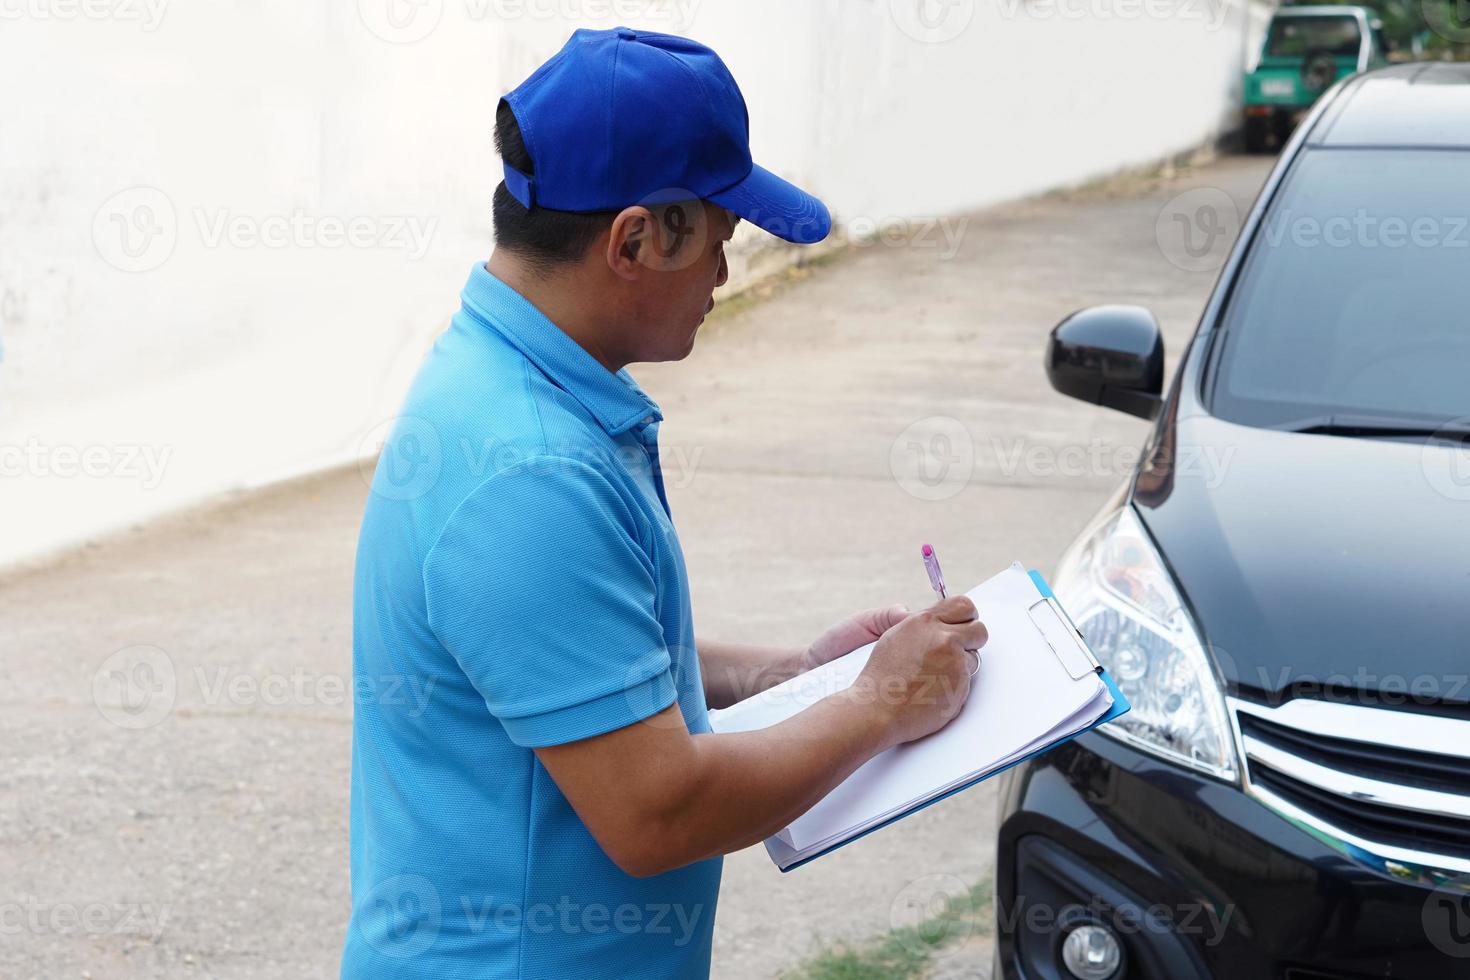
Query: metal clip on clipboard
(1064, 638)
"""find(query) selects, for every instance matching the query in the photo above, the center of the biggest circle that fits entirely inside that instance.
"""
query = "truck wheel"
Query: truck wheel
(1256, 135)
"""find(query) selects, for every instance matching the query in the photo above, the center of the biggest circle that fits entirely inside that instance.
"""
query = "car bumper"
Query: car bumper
(1197, 880)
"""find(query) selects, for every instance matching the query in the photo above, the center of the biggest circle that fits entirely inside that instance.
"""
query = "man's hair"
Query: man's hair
(543, 237)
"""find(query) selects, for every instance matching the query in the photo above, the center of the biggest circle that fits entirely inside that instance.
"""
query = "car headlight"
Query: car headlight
(1116, 589)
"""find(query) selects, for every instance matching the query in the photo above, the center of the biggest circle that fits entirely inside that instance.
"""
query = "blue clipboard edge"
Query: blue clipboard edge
(1120, 707)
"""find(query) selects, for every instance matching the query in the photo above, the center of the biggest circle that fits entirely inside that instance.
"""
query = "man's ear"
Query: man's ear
(631, 243)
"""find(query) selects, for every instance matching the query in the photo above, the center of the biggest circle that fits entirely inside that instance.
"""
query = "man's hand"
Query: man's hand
(920, 670)
(850, 634)
(713, 794)
(733, 672)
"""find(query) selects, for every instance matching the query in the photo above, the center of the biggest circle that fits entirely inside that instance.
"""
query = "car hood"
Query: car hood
(1318, 565)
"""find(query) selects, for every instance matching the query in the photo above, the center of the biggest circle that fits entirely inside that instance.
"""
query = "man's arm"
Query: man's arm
(657, 798)
(733, 672)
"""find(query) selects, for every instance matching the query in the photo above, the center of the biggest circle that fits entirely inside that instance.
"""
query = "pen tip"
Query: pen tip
(928, 551)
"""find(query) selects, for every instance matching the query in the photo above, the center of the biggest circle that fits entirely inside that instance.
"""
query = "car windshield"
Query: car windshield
(1293, 37)
(1351, 301)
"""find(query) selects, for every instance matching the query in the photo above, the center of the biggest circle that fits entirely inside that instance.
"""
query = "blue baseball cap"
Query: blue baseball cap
(622, 117)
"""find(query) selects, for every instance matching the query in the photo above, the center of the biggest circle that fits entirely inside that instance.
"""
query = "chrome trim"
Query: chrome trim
(1419, 864)
(1357, 787)
(1372, 726)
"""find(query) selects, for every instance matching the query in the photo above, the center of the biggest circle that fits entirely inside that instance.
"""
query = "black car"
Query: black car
(1282, 589)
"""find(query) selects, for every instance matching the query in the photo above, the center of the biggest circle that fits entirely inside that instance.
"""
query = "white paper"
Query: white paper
(1021, 699)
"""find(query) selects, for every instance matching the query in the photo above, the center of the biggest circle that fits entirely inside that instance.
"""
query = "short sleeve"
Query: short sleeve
(539, 587)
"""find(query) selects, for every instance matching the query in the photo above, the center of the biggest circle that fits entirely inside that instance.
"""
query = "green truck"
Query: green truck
(1307, 49)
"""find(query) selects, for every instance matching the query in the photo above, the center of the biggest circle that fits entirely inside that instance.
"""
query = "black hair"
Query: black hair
(544, 237)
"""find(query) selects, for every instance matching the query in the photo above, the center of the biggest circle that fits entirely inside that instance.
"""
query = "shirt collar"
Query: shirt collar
(615, 400)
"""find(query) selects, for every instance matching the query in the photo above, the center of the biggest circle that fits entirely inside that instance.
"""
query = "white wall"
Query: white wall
(182, 312)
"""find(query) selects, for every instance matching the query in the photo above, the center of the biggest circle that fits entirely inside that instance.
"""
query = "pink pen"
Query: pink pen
(931, 565)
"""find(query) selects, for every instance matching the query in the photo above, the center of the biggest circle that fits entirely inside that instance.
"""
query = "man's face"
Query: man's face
(688, 263)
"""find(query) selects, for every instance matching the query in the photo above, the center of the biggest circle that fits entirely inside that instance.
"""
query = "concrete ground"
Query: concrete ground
(812, 442)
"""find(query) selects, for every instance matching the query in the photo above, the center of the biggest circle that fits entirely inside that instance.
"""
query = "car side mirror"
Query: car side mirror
(1111, 356)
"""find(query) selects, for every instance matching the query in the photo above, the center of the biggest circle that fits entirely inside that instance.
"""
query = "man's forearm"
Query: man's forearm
(733, 672)
(749, 785)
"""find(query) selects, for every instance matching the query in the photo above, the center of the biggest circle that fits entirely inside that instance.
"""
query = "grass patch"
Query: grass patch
(903, 954)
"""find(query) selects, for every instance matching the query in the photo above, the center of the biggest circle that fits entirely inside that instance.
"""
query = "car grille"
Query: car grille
(1393, 784)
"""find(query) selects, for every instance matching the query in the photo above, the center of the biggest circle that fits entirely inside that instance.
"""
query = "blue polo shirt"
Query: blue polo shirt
(519, 584)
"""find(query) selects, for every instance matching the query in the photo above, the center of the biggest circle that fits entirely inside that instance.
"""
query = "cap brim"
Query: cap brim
(777, 206)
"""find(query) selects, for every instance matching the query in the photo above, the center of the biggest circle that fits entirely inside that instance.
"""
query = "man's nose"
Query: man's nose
(724, 275)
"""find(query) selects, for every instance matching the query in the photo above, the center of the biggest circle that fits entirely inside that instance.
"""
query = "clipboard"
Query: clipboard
(1065, 642)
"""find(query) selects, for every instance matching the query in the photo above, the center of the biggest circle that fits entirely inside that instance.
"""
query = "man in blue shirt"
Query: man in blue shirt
(556, 806)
